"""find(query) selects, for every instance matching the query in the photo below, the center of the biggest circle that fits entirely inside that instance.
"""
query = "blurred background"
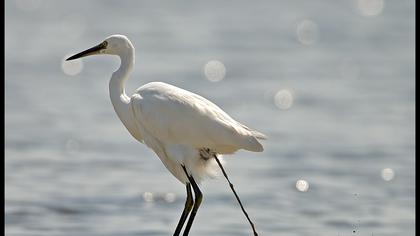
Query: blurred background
(330, 82)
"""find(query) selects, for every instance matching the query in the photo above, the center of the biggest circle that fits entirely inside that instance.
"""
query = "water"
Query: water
(348, 71)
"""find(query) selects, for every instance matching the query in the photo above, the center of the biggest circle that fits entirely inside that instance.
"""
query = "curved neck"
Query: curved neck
(119, 98)
(119, 77)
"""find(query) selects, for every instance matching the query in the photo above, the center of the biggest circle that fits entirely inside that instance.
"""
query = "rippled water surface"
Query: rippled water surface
(330, 82)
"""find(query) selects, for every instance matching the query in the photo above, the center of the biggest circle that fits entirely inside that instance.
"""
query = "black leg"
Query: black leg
(237, 197)
(197, 202)
(188, 206)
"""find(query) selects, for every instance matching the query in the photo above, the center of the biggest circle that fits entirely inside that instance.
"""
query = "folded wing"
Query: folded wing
(174, 115)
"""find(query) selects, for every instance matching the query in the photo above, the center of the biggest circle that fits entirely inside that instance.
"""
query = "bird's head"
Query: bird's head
(112, 45)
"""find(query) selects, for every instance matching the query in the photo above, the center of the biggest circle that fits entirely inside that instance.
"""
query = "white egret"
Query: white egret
(186, 131)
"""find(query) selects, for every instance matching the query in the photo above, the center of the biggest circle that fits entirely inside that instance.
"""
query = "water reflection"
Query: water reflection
(215, 70)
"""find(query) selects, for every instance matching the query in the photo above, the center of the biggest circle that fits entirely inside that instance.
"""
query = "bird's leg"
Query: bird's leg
(197, 202)
(188, 206)
(236, 195)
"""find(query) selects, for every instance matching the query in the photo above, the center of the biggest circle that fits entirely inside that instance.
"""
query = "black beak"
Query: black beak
(88, 52)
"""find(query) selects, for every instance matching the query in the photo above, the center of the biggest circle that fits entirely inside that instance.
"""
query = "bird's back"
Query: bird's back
(175, 115)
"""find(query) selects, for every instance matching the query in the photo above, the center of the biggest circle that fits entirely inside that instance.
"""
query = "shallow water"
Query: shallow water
(72, 169)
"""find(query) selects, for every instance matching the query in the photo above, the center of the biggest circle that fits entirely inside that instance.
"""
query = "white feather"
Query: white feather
(177, 116)
(176, 124)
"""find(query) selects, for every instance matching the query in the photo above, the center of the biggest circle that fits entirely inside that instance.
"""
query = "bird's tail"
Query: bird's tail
(251, 138)
(258, 135)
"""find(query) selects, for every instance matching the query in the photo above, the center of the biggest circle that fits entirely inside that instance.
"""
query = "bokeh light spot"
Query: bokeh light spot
(307, 32)
(387, 174)
(215, 70)
(148, 197)
(284, 99)
(370, 7)
(72, 146)
(170, 197)
(302, 185)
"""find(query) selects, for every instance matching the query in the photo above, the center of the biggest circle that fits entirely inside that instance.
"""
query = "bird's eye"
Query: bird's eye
(105, 43)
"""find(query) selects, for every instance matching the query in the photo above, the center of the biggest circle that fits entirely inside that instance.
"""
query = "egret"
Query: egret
(186, 131)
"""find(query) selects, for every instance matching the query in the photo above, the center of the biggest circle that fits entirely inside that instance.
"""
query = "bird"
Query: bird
(188, 133)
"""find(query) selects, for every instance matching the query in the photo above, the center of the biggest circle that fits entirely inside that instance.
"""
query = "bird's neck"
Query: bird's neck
(119, 98)
(119, 77)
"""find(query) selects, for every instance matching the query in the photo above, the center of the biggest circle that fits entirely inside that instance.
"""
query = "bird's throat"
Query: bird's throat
(120, 100)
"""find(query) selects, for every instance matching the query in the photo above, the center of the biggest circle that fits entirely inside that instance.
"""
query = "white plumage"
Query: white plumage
(185, 130)
(176, 123)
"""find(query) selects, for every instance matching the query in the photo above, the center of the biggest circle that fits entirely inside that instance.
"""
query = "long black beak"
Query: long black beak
(88, 52)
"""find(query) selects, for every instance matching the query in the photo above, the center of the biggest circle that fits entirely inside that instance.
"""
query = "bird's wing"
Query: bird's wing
(174, 115)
